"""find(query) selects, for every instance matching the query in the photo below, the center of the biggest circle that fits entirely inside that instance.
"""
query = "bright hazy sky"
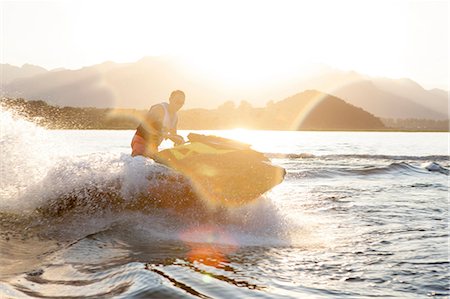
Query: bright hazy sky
(235, 38)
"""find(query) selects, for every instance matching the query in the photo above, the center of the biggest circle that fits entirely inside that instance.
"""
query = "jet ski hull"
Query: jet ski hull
(221, 170)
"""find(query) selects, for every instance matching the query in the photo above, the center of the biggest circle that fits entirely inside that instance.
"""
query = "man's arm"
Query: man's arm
(174, 130)
(177, 139)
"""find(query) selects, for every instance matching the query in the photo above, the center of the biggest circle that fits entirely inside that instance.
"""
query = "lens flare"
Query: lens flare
(306, 109)
(209, 245)
(329, 87)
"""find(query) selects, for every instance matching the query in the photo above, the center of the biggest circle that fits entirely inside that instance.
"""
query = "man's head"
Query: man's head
(176, 99)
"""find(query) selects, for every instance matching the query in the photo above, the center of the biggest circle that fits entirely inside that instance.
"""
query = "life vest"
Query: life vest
(139, 143)
(169, 123)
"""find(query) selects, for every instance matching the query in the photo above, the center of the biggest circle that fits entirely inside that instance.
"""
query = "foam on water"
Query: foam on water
(39, 179)
(433, 166)
(25, 157)
(32, 173)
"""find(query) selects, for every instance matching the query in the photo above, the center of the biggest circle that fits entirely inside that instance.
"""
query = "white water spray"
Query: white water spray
(25, 155)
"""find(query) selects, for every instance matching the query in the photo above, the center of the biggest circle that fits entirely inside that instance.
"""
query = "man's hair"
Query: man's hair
(177, 92)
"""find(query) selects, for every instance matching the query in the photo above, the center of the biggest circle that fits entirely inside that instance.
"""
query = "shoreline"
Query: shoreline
(258, 119)
(228, 129)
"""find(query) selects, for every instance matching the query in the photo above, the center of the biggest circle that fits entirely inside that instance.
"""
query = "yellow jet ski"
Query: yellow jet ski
(222, 171)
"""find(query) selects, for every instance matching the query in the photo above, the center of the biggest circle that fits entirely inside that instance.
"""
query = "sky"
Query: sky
(235, 40)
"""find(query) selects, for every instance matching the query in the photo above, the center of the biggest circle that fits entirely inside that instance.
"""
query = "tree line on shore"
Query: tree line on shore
(300, 112)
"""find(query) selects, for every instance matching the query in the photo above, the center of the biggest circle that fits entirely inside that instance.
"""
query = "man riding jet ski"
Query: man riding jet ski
(220, 170)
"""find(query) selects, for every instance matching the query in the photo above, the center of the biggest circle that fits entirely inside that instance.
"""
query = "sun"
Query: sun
(239, 134)
(235, 70)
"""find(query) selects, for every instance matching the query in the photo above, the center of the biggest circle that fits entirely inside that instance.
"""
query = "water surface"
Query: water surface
(360, 214)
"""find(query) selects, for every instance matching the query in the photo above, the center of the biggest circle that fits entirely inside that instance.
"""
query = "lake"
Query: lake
(359, 214)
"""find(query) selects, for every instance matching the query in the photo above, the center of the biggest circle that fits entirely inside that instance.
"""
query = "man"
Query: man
(160, 123)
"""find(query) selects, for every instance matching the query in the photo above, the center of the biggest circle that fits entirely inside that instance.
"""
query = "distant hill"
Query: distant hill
(386, 98)
(314, 110)
(436, 100)
(309, 110)
(9, 73)
(133, 85)
(149, 80)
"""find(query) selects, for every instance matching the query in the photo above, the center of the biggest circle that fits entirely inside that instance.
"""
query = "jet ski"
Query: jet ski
(206, 171)
(221, 170)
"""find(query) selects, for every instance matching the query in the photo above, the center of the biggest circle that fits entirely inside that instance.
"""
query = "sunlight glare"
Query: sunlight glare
(241, 135)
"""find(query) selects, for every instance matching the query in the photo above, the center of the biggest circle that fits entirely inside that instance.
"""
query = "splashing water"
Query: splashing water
(43, 175)
(25, 156)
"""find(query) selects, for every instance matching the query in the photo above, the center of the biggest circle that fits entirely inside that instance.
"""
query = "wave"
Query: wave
(436, 167)
(87, 194)
(94, 193)
(441, 158)
(71, 196)
(99, 182)
(36, 179)
(396, 168)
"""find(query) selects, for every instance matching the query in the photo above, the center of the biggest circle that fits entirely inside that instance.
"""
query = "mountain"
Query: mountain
(150, 80)
(127, 85)
(386, 98)
(9, 73)
(435, 99)
(314, 110)
(366, 95)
